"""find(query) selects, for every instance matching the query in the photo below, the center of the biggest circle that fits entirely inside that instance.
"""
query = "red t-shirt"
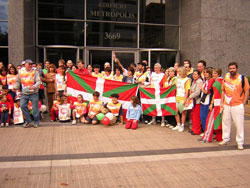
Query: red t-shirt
(5, 104)
(81, 71)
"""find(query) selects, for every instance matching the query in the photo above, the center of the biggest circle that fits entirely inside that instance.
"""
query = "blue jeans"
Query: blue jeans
(4, 116)
(203, 115)
(35, 107)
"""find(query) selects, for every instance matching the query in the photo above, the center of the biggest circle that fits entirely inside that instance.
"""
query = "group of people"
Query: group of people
(207, 101)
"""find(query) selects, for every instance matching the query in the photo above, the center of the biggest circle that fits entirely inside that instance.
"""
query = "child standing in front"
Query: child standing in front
(133, 113)
(64, 109)
(55, 108)
(5, 111)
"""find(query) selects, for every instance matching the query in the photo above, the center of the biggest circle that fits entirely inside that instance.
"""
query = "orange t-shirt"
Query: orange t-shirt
(233, 89)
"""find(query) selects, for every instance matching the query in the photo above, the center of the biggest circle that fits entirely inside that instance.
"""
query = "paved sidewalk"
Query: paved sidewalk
(62, 155)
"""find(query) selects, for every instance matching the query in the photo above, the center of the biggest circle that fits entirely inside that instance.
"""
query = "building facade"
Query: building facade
(164, 31)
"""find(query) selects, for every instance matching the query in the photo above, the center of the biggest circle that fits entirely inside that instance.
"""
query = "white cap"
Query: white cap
(23, 62)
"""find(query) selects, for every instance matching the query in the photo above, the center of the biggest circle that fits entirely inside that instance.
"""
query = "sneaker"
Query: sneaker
(171, 126)
(202, 134)
(7, 125)
(146, 121)
(35, 125)
(163, 124)
(153, 122)
(223, 143)
(168, 125)
(73, 122)
(201, 140)
(176, 128)
(181, 128)
(240, 147)
(26, 124)
(2, 124)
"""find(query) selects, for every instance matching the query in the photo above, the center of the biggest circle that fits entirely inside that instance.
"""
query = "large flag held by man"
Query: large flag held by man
(158, 101)
(87, 85)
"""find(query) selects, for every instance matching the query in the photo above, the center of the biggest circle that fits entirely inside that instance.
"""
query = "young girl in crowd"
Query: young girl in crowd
(55, 108)
(61, 81)
(130, 76)
(94, 109)
(5, 111)
(205, 96)
(133, 113)
(96, 72)
(18, 117)
(64, 109)
(79, 110)
(118, 74)
(11, 81)
(107, 74)
(182, 89)
(3, 76)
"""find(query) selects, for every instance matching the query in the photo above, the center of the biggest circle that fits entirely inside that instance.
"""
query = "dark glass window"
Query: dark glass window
(160, 11)
(69, 9)
(3, 9)
(60, 33)
(112, 10)
(54, 54)
(111, 35)
(4, 56)
(3, 33)
(159, 37)
(166, 59)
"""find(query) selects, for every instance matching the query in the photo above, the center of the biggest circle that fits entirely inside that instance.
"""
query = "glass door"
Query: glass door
(54, 54)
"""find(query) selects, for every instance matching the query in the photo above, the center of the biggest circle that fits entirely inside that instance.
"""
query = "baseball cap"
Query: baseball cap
(23, 62)
(28, 61)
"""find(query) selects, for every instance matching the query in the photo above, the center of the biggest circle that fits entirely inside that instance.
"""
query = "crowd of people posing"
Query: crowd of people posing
(205, 101)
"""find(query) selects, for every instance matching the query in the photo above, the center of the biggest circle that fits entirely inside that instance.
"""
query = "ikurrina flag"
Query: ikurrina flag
(158, 101)
(86, 85)
(217, 102)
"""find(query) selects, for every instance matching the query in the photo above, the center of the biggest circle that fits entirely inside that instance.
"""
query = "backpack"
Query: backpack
(242, 84)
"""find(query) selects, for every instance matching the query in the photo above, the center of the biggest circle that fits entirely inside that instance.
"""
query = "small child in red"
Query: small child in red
(55, 108)
(5, 111)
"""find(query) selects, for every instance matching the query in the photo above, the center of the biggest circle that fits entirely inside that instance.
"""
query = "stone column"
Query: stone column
(16, 31)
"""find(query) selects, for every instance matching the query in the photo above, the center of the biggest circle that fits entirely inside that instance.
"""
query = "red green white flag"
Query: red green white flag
(158, 101)
(86, 85)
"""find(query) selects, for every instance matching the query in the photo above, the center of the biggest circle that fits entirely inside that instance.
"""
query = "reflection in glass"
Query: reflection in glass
(99, 57)
(111, 35)
(60, 33)
(119, 10)
(3, 9)
(160, 11)
(69, 9)
(54, 54)
(4, 56)
(159, 37)
(3, 33)
(166, 59)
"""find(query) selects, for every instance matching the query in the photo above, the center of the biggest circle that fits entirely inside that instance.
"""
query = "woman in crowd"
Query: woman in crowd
(11, 81)
(194, 96)
(205, 96)
(50, 86)
(213, 119)
(182, 90)
(107, 74)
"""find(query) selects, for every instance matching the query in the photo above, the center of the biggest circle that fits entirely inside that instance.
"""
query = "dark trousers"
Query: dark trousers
(4, 116)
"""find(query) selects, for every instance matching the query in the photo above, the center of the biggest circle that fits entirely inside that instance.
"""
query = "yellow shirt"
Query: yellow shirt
(118, 78)
(186, 87)
(99, 75)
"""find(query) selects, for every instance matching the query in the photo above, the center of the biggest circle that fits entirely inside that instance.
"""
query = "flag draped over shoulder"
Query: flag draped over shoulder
(86, 85)
(159, 101)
